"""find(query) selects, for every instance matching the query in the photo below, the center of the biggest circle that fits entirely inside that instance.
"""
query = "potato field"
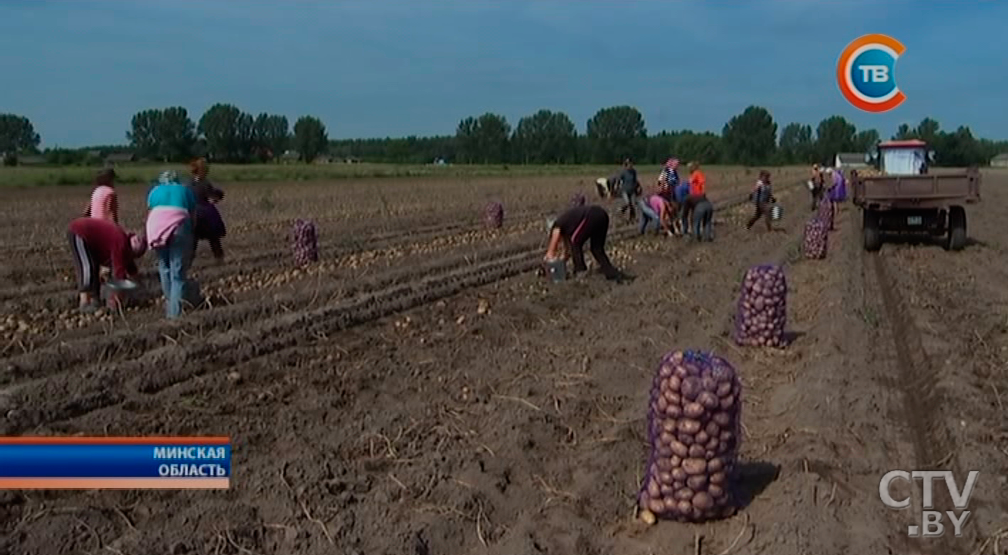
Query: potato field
(420, 390)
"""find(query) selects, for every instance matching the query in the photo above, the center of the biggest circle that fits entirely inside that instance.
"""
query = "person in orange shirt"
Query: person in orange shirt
(697, 192)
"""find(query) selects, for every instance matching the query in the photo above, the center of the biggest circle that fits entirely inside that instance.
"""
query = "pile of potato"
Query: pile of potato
(304, 240)
(578, 199)
(494, 215)
(815, 239)
(825, 213)
(693, 425)
(762, 308)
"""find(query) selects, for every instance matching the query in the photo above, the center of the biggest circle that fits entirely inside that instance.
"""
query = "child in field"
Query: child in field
(762, 197)
(209, 224)
(104, 204)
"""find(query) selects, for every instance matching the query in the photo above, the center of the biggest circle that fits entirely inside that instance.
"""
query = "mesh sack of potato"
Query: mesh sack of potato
(815, 239)
(304, 241)
(693, 427)
(493, 215)
(825, 213)
(578, 199)
(762, 308)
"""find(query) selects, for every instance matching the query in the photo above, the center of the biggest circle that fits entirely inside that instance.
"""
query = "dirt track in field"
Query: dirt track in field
(421, 391)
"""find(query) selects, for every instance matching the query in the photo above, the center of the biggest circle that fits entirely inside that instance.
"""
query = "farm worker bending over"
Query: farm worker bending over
(630, 188)
(697, 188)
(170, 233)
(679, 195)
(656, 209)
(94, 243)
(104, 203)
(703, 215)
(209, 224)
(817, 186)
(577, 226)
(762, 197)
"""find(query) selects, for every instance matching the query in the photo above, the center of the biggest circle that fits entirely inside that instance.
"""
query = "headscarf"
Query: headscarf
(199, 168)
(672, 163)
(168, 177)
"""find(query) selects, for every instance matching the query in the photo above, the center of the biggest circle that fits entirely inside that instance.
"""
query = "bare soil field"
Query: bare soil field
(422, 391)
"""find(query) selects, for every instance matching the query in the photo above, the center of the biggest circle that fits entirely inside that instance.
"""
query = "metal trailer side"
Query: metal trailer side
(916, 204)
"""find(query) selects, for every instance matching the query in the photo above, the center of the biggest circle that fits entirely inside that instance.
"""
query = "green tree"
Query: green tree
(483, 139)
(310, 138)
(834, 135)
(796, 145)
(865, 140)
(959, 149)
(145, 133)
(271, 136)
(17, 136)
(750, 138)
(616, 133)
(928, 131)
(703, 147)
(903, 132)
(176, 134)
(545, 137)
(220, 125)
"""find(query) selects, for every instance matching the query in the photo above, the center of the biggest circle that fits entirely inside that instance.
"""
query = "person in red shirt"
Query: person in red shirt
(96, 243)
(697, 193)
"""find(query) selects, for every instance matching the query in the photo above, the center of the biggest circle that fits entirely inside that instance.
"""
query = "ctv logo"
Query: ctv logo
(931, 521)
(866, 73)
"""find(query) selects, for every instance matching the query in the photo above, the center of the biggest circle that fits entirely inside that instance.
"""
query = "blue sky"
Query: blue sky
(371, 68)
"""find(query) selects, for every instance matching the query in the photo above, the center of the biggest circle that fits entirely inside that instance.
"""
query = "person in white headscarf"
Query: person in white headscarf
(170, 232)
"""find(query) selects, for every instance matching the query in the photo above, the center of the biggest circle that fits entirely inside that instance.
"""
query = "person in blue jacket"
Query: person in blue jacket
(680, 193)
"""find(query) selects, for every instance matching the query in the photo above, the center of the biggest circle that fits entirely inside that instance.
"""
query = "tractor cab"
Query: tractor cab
(901, 157)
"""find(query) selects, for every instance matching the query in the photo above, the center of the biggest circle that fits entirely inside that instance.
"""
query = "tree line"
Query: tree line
(226, 134)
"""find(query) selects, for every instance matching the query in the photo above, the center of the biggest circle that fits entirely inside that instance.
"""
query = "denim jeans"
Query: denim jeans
(647, 216)
(702, 228)
(174, 260)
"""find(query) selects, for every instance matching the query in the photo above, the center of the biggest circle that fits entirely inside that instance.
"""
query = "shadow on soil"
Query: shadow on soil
(792, 336)
(753, 478)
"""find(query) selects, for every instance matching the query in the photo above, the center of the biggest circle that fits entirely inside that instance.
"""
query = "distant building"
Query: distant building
(1000, 161)
(120, 158)
(351, 160)
(290, 157)
(323, 159)
(851, 160)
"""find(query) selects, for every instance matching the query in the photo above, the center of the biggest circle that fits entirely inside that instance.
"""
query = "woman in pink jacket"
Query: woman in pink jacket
(170, 225)
(104, 203)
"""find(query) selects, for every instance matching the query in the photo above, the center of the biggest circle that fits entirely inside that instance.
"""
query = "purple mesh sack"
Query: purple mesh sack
(493, 215)
(815, 239)
(304, 241)
(761, 314)
(693, 428)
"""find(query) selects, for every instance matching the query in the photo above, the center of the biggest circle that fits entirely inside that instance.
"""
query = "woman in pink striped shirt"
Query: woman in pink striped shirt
(104, 203)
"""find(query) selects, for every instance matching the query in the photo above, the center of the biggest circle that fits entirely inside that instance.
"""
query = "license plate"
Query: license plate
(914, 220)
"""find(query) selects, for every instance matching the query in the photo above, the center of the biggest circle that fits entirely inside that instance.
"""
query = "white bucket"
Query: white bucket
(811, 185)
(776, 212)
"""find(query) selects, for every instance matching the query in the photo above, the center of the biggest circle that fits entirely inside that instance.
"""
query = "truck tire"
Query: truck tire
(956, 228)
(870, 231)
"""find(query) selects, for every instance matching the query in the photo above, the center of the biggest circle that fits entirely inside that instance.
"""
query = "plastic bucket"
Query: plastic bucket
(556, 270)
(776, 212)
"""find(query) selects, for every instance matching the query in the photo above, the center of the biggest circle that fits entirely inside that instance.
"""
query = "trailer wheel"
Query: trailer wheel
(956, 228)
(870, 231)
